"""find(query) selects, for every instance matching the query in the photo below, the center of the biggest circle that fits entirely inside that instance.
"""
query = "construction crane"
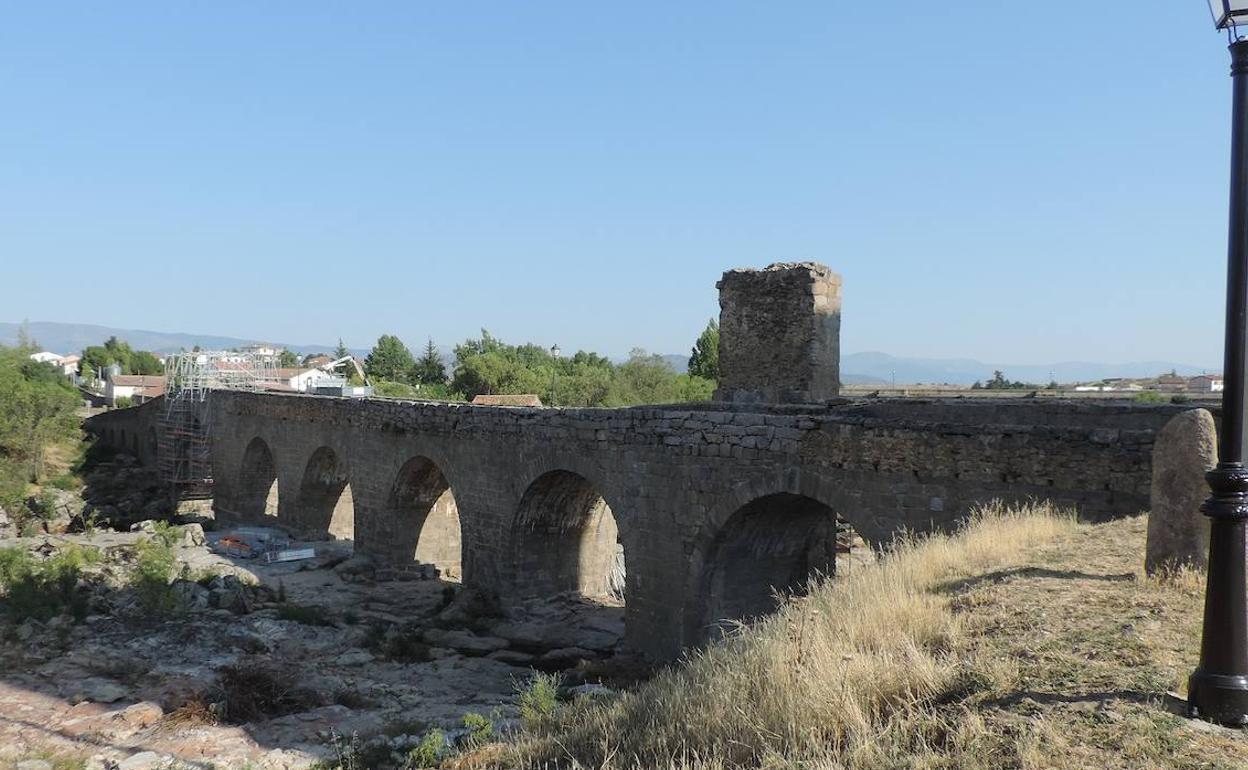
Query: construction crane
(333, 365)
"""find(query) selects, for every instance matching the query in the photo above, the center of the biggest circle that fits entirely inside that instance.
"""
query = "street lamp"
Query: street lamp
(1229, 13)
(1218, 688)
(554, 372)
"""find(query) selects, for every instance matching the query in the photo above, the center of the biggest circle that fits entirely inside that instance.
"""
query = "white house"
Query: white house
(67, 364)
(136, 387)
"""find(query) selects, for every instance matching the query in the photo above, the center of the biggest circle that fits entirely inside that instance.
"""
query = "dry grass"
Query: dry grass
(1025, 641)
(825, 679)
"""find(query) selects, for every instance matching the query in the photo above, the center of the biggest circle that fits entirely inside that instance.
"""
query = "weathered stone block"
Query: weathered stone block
(779, 334)
(1178, 534)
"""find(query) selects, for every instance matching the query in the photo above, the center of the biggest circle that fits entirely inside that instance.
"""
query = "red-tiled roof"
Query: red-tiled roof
(517, 400)
(139, 380)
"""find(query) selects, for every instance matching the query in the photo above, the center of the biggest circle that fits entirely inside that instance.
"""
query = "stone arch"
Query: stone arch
(422, 506)
(770, 547)
(258, 489)
(565, 539)
(324, 504)
(767, 537)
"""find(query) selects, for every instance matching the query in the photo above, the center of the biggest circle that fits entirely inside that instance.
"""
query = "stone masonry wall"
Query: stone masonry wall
(674, 476)
(779, 334)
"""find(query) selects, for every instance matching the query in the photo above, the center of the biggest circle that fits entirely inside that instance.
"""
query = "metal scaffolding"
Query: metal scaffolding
(183, 457)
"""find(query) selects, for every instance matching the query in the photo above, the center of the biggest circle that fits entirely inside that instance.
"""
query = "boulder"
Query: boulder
(533, 634)
(468, 605)
(27, 629)
(565, 657)
(513, 658)
(95, 690)
(140, 715)
(464, 641)
(193, 536)
(144, 760)
(357, 567)
(1178, 534)
(190, 595)
(353, 658)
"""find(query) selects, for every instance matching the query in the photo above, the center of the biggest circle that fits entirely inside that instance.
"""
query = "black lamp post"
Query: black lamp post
(554, 373)
(1218, 688)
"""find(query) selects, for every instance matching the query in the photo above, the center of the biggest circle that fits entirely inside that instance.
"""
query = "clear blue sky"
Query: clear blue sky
(1042, 184)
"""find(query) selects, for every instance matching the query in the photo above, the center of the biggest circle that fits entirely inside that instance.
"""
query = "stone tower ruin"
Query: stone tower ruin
(779, 334)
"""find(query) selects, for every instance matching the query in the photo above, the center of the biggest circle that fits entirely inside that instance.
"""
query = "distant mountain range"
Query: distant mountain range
(856, 368)
(882, 368)
(72, 338)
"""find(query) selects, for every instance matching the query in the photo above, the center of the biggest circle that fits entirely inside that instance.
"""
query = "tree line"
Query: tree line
(487, 365)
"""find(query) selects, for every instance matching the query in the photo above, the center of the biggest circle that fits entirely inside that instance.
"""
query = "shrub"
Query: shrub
(480, 729)
(428, 752)
(1149, 397)
(259, 689)
(539, 701)
(402, 645)
(152, 574)
(44, 589)
(303, 613)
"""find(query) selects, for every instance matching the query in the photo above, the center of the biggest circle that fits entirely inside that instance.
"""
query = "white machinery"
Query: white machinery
(333, 366)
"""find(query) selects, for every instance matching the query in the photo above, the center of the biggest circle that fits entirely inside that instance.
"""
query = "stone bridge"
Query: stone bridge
(693, 514)
(709, 507)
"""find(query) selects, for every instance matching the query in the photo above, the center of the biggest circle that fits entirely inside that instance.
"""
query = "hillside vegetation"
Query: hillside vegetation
(1025, 641)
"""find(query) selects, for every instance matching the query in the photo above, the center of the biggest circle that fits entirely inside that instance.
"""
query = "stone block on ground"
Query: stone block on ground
(1178, 533)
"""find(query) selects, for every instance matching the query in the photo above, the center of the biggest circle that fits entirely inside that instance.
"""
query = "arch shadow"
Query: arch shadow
(324, 505)
(422, 510)
(258, 488)
(766, 539)
(565, 540)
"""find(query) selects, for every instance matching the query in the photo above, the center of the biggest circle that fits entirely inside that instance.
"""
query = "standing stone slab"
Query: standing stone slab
(1178, 533)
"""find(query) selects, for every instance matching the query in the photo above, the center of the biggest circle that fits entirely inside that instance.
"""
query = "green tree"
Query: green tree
(704, 362)
(118, 351)
(488, 365)
(389, 360)
(692, 388)
(341, 351)
(287, 359)
(143, 362)
(644, 379)
(37, 407)
(429, 369)
(113, 351)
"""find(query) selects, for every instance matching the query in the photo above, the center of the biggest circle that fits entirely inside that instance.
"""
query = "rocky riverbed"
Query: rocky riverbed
(261, 665)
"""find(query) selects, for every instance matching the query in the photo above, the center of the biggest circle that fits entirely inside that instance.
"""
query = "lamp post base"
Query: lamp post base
(1223, 699)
